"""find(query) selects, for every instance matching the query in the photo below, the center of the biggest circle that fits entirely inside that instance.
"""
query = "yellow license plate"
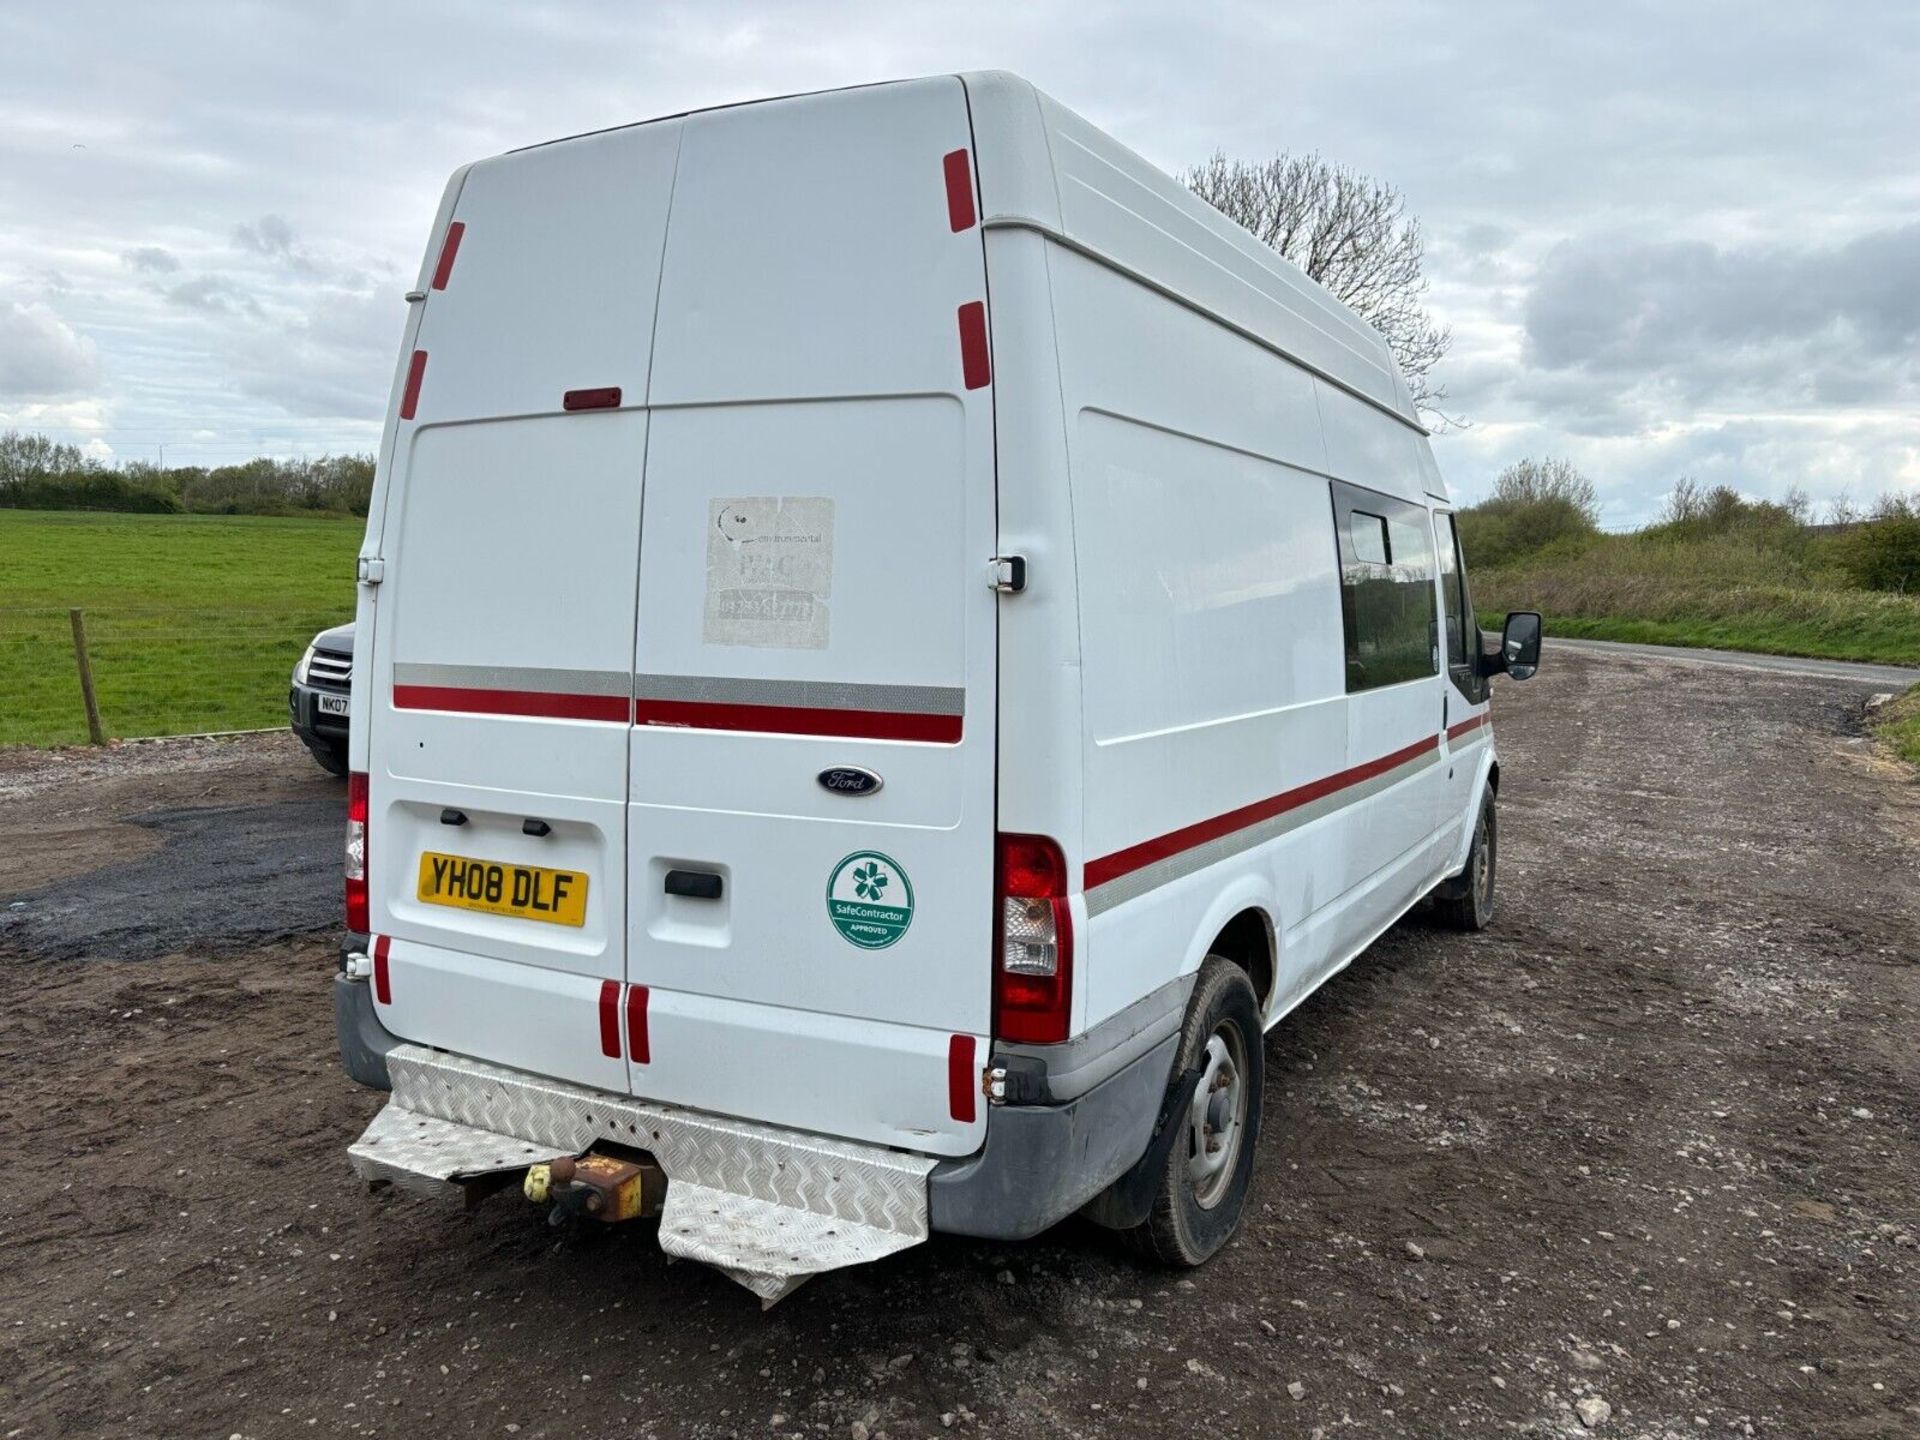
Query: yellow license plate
(527, 892)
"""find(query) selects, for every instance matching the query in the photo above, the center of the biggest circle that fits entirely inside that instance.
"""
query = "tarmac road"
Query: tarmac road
(1896, 677)
(1651, 1141)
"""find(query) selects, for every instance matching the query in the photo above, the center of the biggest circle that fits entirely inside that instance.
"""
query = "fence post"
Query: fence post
(94, 731)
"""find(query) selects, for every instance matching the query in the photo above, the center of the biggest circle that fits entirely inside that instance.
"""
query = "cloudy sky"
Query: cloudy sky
(1672, 238)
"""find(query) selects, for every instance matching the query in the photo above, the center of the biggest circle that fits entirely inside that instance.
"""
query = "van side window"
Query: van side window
(1387, 605)
(1369, 536)
(1453, 594)
(1463, 631)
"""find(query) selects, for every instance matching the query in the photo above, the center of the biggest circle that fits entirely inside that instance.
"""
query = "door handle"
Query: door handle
(693, 884)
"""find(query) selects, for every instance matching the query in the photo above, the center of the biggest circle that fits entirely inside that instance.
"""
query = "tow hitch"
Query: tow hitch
(599, 1187)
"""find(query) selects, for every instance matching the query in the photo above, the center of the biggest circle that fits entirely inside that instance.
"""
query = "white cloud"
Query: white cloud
(1652, 227)
(40, 354)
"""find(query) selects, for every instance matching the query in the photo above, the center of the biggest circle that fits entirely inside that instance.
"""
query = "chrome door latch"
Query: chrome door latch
(1007, 574)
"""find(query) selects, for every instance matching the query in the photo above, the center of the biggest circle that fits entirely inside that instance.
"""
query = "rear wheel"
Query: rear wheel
(1469, 904)
(1201, 1191)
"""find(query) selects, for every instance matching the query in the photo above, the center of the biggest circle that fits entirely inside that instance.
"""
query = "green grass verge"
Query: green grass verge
(194, 621)
(1724, 603)
(1898, 723)
(1761, 636)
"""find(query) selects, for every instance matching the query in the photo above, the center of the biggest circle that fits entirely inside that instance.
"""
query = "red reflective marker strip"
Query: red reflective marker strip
(959, 190)
(1472, 722)
(448, 250)
(639, 1048)
(610, 1019)
(1135, 857)
(410, 397)
(382, 974)
(974, 364)
(798, 720)
(533, 703)
(963, 1080)
(607, 397)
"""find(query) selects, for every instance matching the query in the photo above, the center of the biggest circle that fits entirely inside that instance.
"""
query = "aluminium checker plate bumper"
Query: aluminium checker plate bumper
(770, 1207)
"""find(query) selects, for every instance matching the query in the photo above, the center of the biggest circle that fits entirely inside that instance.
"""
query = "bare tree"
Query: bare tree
(1551, 481)
(1351, 233)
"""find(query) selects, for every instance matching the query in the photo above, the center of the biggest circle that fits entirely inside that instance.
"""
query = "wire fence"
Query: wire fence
(153, 671)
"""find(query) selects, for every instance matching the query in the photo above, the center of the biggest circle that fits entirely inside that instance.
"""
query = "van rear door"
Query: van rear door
(811, 830)
(501, 693)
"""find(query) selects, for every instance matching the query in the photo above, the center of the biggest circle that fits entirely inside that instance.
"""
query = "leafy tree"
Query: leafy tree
(1883, 552)
(1535, 504)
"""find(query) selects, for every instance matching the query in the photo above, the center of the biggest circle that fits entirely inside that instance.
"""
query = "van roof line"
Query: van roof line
(1301, 317)
(726, 105)
(1099, 257)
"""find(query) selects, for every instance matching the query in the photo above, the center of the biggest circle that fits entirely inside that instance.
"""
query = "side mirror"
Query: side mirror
(1520, 644)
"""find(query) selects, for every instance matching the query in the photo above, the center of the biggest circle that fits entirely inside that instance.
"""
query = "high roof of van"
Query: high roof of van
(1042, 167)
(1045, 168)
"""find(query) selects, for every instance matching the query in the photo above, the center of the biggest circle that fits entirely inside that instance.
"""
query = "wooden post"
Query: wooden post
(94, 731)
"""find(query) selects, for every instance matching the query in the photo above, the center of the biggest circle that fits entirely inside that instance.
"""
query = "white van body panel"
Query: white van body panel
(886, 335)
(822, 373)
(503, 633)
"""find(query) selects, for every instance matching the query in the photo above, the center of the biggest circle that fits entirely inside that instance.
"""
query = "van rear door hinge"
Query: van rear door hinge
(1007, 573)
(372, 569)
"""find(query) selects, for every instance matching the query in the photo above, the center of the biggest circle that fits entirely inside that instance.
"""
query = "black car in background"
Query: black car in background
(317, 703)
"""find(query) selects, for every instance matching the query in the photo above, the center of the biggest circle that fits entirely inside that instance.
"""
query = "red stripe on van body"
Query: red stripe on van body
(416, 372)
(537, 704)
(959, 190)
(1136, 857)
(975, 367)
(448, 250)
(639, 1047)
(1472, 722)
(798, 720)
(963, 1080)
(382, 973)
(610, 1019)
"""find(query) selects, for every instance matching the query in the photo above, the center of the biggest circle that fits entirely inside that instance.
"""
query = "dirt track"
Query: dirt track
(1652, 1139)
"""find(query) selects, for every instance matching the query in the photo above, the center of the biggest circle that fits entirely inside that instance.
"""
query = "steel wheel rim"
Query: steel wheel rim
(1483, 866)
(1217, 1118)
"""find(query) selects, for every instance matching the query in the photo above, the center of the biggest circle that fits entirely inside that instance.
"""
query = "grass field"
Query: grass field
(1721, 597)
(194, 622)
(1898, 723)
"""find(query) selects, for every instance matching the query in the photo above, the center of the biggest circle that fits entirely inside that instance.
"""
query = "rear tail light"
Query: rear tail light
(1033, 943)
(357, 852)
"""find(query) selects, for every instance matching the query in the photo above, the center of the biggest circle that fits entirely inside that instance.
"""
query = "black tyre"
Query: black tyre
(330, 758)
(1467, 902)
(1202, 1188)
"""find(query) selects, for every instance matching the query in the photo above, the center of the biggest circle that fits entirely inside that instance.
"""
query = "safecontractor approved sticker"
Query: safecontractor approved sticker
(870, 900)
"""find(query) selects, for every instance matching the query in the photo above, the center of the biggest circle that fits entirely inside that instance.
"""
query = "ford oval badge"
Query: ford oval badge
(850, 780)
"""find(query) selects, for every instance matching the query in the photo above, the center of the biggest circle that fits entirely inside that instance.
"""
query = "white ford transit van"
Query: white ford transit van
(893, 643)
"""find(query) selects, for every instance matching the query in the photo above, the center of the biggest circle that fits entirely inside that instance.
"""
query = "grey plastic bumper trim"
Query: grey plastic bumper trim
(1043, 1162)
(1115, 1043)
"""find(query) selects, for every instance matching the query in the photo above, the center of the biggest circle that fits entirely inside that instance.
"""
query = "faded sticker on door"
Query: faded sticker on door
(769, 571)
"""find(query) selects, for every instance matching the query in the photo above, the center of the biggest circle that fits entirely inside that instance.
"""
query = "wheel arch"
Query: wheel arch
(1239, 926)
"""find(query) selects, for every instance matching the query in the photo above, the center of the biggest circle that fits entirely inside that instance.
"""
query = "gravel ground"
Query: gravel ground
(1648, 1147)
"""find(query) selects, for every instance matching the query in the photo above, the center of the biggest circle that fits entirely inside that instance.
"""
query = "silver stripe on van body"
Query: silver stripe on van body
(1151, 877)
(514, 677)
(802, 694)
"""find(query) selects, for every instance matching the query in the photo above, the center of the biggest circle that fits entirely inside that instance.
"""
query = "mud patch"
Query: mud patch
(1649, 1143)
(224, 877)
